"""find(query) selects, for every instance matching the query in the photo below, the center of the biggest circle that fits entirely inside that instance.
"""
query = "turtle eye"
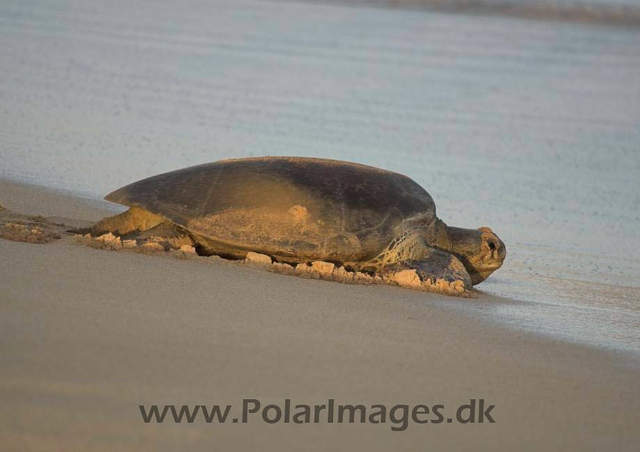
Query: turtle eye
(492, 245)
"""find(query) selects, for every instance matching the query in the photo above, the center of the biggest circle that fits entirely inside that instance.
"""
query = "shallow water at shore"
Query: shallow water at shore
(528, 127)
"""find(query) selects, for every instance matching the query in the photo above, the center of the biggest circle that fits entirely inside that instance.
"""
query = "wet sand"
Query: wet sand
(88, 335)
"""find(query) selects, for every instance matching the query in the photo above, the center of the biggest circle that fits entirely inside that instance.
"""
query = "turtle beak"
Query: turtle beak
(490, 257)
(495, 246)
(480, 250)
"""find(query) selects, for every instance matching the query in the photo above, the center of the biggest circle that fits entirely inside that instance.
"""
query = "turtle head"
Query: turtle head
(480, 250)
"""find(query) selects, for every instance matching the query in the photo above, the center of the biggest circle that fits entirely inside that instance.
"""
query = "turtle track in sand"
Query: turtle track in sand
(29, 228)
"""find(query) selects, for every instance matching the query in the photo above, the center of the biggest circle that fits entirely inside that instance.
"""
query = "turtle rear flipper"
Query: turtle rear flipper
(134, 220)
(436, 271)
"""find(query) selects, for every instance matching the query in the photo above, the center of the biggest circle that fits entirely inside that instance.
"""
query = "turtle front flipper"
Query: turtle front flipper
(436, 271)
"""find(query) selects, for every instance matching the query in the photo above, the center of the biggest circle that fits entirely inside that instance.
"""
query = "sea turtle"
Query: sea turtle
(299, 210)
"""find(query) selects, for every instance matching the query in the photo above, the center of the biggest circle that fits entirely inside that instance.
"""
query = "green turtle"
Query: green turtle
(299, 210)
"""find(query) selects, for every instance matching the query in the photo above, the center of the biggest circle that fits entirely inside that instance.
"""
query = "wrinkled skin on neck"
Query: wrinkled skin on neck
(480, 250)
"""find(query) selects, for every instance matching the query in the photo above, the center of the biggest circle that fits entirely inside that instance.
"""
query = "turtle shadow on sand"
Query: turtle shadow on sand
(309, 217)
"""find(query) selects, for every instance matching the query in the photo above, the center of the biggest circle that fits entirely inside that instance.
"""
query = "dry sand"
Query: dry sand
(87, 335)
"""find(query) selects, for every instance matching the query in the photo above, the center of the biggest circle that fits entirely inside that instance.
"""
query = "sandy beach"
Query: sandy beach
(88, 335)
(529, 127)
